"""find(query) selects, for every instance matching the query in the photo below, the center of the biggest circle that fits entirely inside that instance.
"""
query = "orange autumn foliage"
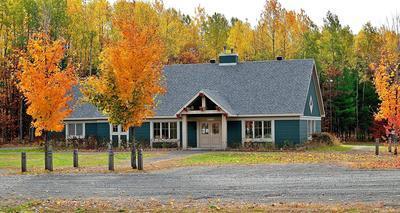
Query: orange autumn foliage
(387, 84)
(46, 85)
(130, 73)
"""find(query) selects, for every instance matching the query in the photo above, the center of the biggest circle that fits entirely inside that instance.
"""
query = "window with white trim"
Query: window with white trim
(311, 128)
(258, 129)
(75, 130)
(165, 130)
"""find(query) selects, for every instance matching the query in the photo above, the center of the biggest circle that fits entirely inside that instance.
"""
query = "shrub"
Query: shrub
(325, 138)
(165, 144)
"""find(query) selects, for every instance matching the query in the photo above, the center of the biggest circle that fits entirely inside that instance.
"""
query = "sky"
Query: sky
(354, 13)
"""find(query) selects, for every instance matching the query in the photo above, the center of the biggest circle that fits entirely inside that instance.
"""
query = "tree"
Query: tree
(9, 97)
(46, 83)
(387, 85)
(130, 73)
(241, 38)
(386, 77)
(216, 33)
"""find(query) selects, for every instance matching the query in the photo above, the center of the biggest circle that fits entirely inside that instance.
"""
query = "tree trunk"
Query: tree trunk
(21, 122)
(46, 149)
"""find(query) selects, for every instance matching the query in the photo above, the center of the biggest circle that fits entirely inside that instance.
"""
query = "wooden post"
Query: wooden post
(76, 162)
(50, 160)
(140, 159)
(23, 162)
(395, 144)
(390, 143)
(376, 146)
(133, 156)
(111, 160)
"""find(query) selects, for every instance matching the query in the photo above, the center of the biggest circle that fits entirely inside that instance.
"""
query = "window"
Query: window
(75, 130)
(215, 128)
(204, 128)
(165, 130)
(249, 129)
(311, 126)
(267, 129)
(115, 128)
(173, 130)
(157, 130)
(258, 129)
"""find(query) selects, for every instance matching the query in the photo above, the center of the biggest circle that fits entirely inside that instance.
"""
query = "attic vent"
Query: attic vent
(279, 58)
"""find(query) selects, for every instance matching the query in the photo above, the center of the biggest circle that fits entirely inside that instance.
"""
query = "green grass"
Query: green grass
(24, 149)
(217, 158)
(335, 148)
(11, 159)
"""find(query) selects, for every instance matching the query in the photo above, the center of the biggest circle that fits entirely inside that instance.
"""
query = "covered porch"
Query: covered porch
(204, 121)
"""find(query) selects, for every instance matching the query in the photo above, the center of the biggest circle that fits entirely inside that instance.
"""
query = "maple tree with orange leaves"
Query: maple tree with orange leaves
(46, 84)
(130, 73)
(387, 84)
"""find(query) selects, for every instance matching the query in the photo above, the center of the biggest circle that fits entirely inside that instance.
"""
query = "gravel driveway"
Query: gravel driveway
(263, 183)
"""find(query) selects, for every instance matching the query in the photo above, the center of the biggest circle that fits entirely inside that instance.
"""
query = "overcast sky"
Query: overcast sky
(351, 12)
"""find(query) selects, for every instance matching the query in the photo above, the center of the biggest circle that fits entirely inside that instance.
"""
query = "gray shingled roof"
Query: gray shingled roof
(248, 88)
(83, 110)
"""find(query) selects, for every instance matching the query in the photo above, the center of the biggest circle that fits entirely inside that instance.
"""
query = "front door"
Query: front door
(210, 135)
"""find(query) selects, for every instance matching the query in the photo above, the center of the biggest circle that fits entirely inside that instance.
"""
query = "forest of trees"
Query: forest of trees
(345, 59)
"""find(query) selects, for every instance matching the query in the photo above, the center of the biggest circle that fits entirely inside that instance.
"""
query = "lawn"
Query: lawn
(212, 205)
(10, 159)
(347, 155)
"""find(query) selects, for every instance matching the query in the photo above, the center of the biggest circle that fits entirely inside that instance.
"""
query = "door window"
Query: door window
(204, 128)
(215, 128)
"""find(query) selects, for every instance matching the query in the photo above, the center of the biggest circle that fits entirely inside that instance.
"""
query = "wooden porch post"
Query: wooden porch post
(184, 132)
(224, 131)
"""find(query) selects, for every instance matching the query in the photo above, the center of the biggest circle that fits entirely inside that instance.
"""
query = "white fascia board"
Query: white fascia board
(202, 112)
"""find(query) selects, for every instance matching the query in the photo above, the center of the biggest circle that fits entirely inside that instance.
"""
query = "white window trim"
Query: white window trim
(262, 139)
(152, 139)
(119, 133)
(313, 128)
(67, 136)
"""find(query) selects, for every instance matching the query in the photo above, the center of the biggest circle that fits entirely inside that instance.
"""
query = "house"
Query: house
(221, 105)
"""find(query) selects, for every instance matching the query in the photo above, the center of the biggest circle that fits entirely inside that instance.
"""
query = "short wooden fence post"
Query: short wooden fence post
(50, 160)
(395, 144)
(23, 162)
(76, 162)
(390, 143)
(140, 159)
(376, 146)
(133, 156)
(111, 160)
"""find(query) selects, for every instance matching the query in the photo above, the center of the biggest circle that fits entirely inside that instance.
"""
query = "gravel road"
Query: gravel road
(262, 183)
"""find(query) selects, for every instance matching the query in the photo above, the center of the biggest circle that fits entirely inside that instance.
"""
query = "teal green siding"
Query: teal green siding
(303, 131)
(234, 133)
(103, 131)
(192, 134)
(141, 133)
(228, 59)
(313, 93)
(90, 130)
(287, 131)
(318, 126)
